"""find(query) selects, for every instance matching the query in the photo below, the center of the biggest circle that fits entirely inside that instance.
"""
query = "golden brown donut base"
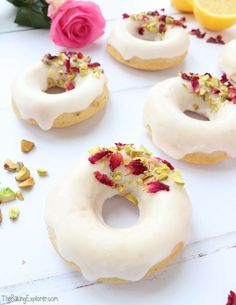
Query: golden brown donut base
(69, 119)
(174, 253)
(146, 64)
(200, 157)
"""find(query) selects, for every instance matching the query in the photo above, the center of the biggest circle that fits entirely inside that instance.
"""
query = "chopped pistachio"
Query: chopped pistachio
(13, 213)
(131, 198)
(19, 196)
(93, 150)
(6, 195)
(0, 216)
(177, 177)
(10, 166)
(26, 146)
(23, 174)
(19, 166)
(27, 183)
(117, 175)
(42, 172)
(145, 150)
(195, 107)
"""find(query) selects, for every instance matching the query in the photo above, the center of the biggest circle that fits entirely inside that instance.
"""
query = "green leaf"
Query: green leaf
(33, 16)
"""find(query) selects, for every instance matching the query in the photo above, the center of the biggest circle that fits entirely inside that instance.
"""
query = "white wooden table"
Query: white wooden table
(205, 271)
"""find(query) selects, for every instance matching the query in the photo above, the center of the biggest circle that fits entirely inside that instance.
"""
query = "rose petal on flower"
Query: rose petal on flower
(136, 167)
(156, 186)
(103, 178)
(231, 298)
(197, 33)
(99, 155)
(115, 160)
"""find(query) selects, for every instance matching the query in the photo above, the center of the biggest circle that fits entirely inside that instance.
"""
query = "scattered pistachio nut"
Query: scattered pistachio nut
(6, 195)
(19, 196)
(19, 166)
(42, 172)
(27, 183)
(177, 177)
(131, 198)
(13, 213)
(26, 146)
(23, 174)
(10, 166)
(0, 216)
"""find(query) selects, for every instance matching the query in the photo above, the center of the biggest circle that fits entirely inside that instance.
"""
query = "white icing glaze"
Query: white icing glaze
(227, 59)
(32, 102)
(176, 133)
(125, 40)
(74, 212)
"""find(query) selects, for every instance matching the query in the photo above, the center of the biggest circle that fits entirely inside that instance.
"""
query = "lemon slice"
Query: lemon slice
(183, 5)
(215, 15)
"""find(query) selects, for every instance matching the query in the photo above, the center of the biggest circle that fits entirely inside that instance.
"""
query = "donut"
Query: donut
(170, 117)
(227, 59)
(149, 41)
(79, 233)
(60, 91)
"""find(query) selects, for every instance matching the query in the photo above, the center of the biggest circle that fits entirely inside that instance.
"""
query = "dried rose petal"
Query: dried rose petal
(120, 145)
(197, 33)
(136, 167)
(115, 160)
(94, 65)
(218, 40)
(103, 178)
(231, 298)
(155, 13)
(156, 186)
(162, 18)
(171, 167)
(185, 76)
(99, 155)
(70, 86)
(232, 94)
(162, 28)
(195, 83)
(180, 22)
(80, 55)
(141, 30)
(215, 90)
(125, 15)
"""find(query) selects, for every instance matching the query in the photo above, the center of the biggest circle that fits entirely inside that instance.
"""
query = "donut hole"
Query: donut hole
(119, 212)
(196, 115)
(55, 90)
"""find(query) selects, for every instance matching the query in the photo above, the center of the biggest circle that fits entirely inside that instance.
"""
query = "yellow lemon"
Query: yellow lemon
(183, 5)
(215, 15)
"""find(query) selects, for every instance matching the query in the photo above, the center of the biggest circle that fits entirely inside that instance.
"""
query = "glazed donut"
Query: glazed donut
(149, 41)
(184, 137)
(228, 59)
(83, 84)
(81, 237)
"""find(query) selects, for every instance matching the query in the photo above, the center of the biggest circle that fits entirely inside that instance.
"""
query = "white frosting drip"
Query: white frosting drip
(124, 39)
(32, 102)
(74, 212)
(176, 133)
(227, 59)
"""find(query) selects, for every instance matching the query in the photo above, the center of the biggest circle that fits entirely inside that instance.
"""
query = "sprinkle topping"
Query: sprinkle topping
(122, 166)
(212, 90)
(154, 22)
(66, 66)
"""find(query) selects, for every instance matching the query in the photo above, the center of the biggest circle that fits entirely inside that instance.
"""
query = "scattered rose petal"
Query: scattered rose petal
(195, 83)
(136, 167)
(197, 33)
(156, 186)
(99, 155)
(162, 28)
(231, 298)
(125, 16)
(232, 94)
(115, 160)
(215, 90)
(218, 40)
(185, 76)
(70, 86)
(171, 167)
(94, 65)
(141, 30)
(103, 178)
(120, 145)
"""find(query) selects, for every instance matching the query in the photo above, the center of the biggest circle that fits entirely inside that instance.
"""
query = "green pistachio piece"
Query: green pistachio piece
(23, 174)
(10, 166)
(13, 213)
(19, 196)
(27, 183)
(42, 172)
(131, 198)
(6, 195)
(177, 177)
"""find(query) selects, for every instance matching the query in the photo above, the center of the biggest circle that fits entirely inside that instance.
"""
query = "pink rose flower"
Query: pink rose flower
(76, 23)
